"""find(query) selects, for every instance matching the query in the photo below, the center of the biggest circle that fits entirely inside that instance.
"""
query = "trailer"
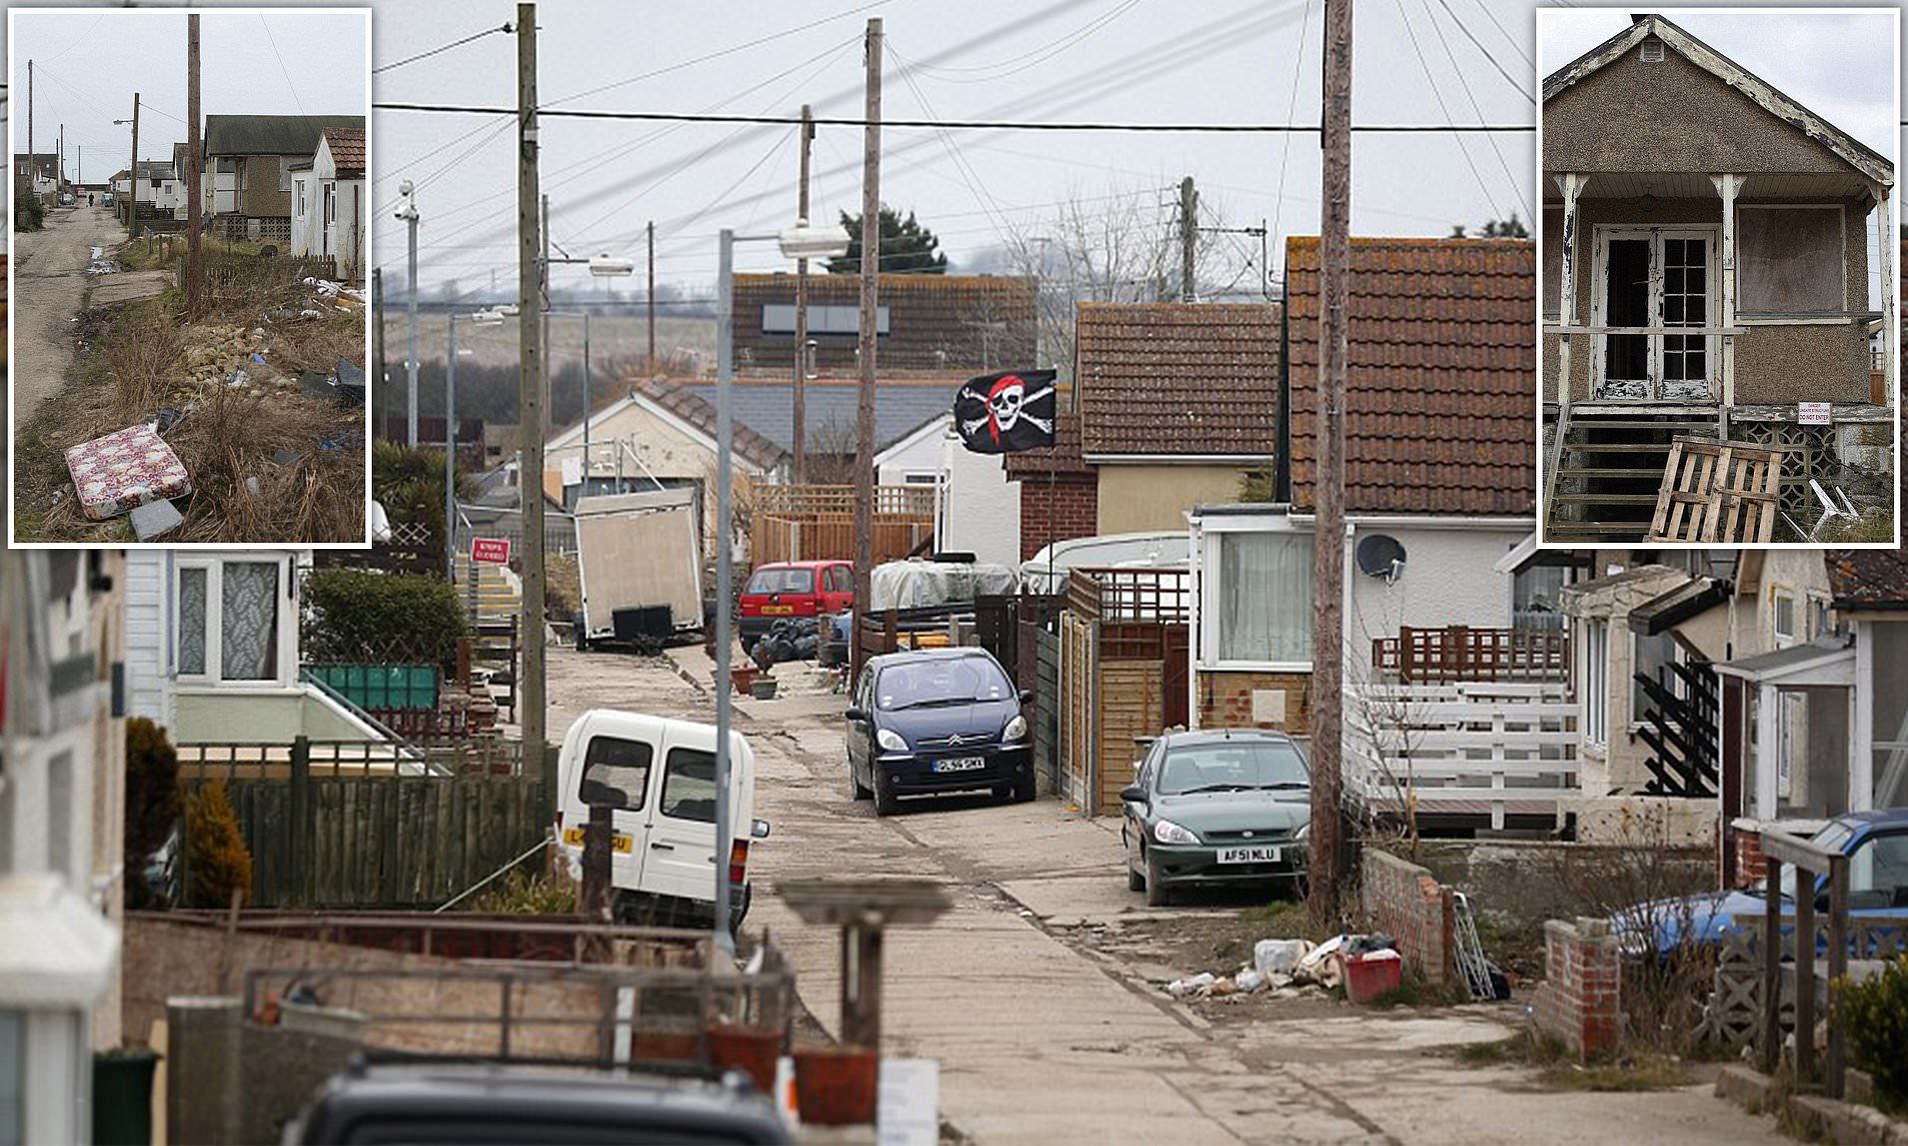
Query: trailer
(639, 564)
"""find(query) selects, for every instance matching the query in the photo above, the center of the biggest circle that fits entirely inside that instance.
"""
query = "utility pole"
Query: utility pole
(1328, 571)
(1188, 238)
(377, 329)
(724, 937)
(409, 214)
(589, 403)
(543, 291)
(650, 296)
(801, 311)
(33, 160)
(195, 205)
(132, 172)
(870, 285)
(450, 454)
(530, 404)
(59, 157)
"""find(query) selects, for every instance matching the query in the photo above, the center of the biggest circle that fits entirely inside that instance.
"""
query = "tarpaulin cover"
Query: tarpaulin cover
(923, 584)
(123, 470)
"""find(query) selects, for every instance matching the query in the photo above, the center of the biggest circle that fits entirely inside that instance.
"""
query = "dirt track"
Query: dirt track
(50, 289)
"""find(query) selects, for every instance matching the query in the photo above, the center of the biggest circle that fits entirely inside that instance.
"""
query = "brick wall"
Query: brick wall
(1751, 868)
(1225, 699)
(1579, 1001)
(1065, 508)
(1404, 901)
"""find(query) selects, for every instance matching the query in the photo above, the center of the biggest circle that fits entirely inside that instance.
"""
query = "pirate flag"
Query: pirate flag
(1006, 413)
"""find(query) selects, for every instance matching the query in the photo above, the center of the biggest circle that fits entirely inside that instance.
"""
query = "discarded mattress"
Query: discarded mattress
(124, 469)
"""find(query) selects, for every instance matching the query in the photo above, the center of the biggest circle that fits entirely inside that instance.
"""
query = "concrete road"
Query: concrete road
(1044, 1040)
(51, 287)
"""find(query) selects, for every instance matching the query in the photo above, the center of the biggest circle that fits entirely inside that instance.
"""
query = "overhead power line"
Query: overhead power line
(505, 28)
(966, 125)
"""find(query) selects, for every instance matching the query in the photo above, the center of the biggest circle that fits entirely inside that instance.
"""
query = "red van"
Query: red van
(794, 589)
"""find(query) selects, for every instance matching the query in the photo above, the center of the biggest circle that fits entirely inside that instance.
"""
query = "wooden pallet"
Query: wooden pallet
(1719, 492)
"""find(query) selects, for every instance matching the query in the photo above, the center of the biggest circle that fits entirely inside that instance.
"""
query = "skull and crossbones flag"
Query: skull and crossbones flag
(1006, 413)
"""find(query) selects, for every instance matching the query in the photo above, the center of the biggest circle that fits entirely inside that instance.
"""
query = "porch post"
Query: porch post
(1573, 185)
(1768, 707)
(1861, 722)
(1891, 328)
(1727, 186)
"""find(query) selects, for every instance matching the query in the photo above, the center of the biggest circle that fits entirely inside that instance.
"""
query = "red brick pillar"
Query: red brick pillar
(1580, 1001)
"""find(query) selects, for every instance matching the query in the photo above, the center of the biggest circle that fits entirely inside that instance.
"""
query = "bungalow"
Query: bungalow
(159, 187)
(1702, 278)
(328, 200)
(1438, 484)
(36, 174)
(247, 178)
(212, 649)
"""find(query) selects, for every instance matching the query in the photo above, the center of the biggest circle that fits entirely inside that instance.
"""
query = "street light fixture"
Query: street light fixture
(805, 242)
(407, 214)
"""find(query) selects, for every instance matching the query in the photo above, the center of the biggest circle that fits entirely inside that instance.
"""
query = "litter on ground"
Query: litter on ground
(124, 469)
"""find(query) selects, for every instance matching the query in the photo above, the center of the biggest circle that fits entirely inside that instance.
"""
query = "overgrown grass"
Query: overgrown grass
(1281, 919)
(526, 893)
(1557, 1069)
(1411, 992)
(1869, 528)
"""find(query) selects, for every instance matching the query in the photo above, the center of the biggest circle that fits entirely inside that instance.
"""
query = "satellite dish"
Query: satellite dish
(1380, 555)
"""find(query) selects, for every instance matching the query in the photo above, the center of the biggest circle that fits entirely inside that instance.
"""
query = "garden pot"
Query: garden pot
(763, 688)
(664, 1046)
(835, 1085)
(752, 1050)
(742, 677)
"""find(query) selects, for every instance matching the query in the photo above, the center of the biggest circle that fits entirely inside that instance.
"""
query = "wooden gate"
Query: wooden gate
(1079, 719)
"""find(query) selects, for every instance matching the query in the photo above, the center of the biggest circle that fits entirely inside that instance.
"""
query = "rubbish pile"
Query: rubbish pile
(1290, 968)
(102, 263)
(787, 639)
(332, 294)
(235, 358)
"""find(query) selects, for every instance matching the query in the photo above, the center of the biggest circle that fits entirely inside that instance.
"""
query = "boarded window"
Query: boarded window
(1553, 261)
(1789, 261)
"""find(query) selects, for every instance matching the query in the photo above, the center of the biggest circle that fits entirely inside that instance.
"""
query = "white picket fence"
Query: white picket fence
(1475, 750)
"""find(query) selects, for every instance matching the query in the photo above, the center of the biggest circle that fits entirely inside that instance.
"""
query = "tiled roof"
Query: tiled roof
(938, 325)
(1440, 405)
(347, 148)
(1178, 378)
(1868, 578)
(691, 407)
(767, 406)
(1060, 460)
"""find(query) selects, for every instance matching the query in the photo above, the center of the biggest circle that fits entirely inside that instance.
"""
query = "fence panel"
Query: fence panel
(1130, 709)
(1077, 724)
(1479, 751)
(1460, 653)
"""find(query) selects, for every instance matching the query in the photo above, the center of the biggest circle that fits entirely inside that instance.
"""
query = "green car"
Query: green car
(1224, 808)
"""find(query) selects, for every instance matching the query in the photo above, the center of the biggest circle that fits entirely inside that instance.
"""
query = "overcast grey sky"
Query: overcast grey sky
(1416, 61)
(87, 64)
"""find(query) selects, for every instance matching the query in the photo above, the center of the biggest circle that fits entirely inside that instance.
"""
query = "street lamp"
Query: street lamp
(603, 266)
(407, 214)
(481, 318)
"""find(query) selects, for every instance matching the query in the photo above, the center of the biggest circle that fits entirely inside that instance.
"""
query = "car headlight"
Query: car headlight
(1015, 730)
(890, 740)
(1167, 832)
(1304, 832)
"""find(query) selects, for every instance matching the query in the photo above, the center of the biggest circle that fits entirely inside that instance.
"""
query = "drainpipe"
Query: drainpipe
(1282, 462)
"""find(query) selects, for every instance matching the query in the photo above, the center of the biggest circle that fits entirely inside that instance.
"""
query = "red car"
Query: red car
(795, 589)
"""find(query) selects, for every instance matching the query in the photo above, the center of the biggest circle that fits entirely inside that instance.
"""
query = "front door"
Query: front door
(1655, 280)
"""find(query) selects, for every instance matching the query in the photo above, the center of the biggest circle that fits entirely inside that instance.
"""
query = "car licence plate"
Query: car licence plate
(1249, 855)
(777, 610)
(960, 764)
(618, 841)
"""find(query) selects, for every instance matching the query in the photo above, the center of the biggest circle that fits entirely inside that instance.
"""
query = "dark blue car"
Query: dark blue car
(935, 721)
(1876, 844)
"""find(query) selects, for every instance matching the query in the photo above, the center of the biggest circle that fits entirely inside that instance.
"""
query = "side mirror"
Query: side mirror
(759, 830)
(1133, 794)
(1026, 696)
(856, 715)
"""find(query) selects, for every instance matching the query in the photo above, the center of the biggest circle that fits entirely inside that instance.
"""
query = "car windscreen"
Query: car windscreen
(941, 680)
(782, 581)
(1231, 765)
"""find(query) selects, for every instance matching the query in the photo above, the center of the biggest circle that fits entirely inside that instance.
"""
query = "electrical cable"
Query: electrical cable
(382, 68)
(1485, 7)
(1508, 78)
(1516, 186)
(282, 70)
(1033, 58)
(1285, 152)
(1425, 65)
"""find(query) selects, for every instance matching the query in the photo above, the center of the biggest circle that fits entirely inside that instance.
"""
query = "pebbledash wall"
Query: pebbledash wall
(1404, 901)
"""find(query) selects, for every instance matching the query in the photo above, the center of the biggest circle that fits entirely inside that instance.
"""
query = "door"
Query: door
(330, 217)
(1655, 280)
(858, 733)
(680, 859)
(838, 589)
(617, 773)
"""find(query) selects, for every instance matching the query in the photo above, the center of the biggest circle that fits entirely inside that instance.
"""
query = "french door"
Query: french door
(1655, 279)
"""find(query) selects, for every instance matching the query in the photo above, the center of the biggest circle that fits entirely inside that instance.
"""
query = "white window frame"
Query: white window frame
(1595, 675)
(284, 672)
(1604, 233)
(1804, 318)
(1212, 594)
(1777, 638)
(298, 198)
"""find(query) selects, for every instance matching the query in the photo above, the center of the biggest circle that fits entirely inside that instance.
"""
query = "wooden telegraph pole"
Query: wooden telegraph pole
(650, 297)
(801, 313)
(870, 285)
(530, 401)
(1328, 573)
(132, 172)
(194, 267)
(1188, 239)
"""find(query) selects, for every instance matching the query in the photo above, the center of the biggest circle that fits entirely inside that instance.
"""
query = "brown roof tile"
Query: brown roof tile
(347, 147)
(1440, 401)
(937, 324)
(1178, 378)
(700, 413)
(1868, 578)
(1059, 460)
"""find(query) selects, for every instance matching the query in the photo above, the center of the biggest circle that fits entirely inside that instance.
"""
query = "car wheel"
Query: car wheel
(885, 801)
(1157, 893)
(1024, 789)
(1134, 880)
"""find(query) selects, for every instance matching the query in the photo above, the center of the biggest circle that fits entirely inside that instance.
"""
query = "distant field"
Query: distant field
(611, 338)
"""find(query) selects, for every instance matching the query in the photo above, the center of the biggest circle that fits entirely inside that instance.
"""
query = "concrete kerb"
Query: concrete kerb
(1815, 1115)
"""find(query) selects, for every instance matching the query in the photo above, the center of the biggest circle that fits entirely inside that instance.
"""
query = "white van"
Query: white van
(657, 775)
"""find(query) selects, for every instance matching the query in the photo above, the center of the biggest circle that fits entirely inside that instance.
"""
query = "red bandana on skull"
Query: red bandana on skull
(1003, 404)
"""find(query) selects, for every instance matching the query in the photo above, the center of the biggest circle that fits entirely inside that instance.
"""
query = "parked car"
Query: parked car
(657, 777)
(66, 198)
(794, 589)
(515, 1102)
(1876, 844)
(937, 721)
(106, 199)
(1229, 807)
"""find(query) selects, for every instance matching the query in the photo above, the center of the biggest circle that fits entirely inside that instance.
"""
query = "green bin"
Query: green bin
(122, 1096)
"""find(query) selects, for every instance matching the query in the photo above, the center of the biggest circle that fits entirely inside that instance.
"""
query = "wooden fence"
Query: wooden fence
(816, 538)
(351, 826)
(839, 500)
(1475, 753)
(1460, 653)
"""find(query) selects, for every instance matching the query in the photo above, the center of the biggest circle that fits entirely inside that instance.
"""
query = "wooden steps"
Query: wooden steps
(1610, 466)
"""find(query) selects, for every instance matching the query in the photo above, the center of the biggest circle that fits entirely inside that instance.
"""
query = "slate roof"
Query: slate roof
(347, 149)
(1178, 378)
(938, 325)
(767, 407)
(1862, 579)
(270, 134)
(1441, 386)
(155, 168)
(1062, 459)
